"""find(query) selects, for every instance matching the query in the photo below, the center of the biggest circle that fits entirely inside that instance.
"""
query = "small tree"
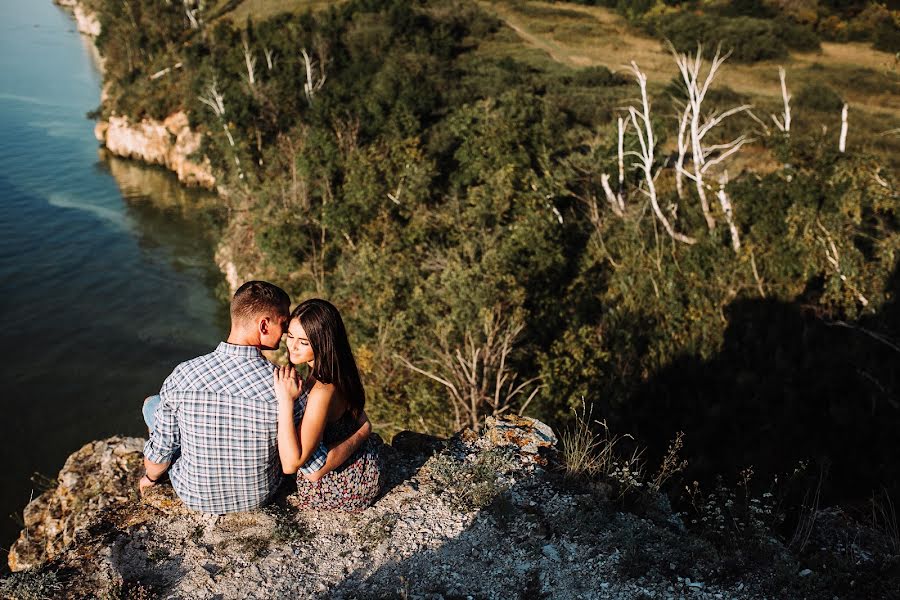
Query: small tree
(477, 372)
(703, 157)
(784, 123)
(216, 102)
(315, 78)
(249, 60)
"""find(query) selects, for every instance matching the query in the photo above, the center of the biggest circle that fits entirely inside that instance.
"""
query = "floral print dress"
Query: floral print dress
(352, 486)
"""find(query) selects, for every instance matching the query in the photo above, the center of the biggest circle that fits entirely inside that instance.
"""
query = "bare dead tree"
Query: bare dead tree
(834, 259)
(249, 60)
(683, 120)
(704, 157)
(616, 200)
(476, 372)
(166, 71)
(645, 157)
(784, 123)
(842, 144)
(314, 81)
(270, 58)
(725, 203)
(216, 102)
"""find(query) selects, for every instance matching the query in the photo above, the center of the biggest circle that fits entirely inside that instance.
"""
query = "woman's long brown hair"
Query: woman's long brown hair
(334, 363)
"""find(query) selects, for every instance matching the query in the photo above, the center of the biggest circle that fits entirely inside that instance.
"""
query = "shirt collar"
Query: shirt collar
(235, 350)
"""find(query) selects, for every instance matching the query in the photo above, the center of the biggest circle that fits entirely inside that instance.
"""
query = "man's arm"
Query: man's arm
(152, 472)
(341, 452)
(164, 440)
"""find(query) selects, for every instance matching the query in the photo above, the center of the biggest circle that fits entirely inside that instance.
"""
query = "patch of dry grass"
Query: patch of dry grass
(260, 10)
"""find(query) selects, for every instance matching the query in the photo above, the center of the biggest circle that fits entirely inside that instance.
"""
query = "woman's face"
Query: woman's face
(299, 350)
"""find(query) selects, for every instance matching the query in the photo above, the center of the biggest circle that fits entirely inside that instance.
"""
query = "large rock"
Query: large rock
(85, 19)
(170, 143)
(99, 475)
(529, 436)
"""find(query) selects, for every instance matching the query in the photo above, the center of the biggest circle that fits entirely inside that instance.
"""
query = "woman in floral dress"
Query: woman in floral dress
(335, 400)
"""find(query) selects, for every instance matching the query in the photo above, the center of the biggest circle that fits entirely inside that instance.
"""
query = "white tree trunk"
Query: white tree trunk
(784, 124)
(613, 200)
(250, 61)
(725, 203)
(842, 145)
(622, 124)
(682, 150)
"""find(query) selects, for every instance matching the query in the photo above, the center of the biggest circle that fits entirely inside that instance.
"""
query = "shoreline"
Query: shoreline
(169, 143)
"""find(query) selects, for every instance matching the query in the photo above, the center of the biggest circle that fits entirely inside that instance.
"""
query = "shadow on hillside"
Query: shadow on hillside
(788, 384)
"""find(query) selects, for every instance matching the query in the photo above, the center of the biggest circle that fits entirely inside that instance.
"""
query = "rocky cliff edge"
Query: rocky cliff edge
(482, 515)
(170, 143)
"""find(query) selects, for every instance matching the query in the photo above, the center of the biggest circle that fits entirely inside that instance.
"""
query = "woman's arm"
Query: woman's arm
(341, 452)
(312, 427)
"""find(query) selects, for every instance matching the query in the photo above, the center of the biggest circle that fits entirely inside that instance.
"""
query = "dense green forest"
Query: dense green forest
(449, 197)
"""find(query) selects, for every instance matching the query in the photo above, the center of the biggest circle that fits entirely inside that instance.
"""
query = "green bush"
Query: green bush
(887, 37)
(748, 39)
(796, 36)
(818, 96)
(597, 76)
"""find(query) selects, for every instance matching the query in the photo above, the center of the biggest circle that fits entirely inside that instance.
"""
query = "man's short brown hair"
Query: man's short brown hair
(259, 299)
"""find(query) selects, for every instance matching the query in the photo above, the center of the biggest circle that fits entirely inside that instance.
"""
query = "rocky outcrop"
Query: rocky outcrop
(85, 19)
(93, 478)
(485, 514)
(170, 143)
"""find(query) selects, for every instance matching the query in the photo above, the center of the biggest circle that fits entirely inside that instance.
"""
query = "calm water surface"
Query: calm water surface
(107, 278)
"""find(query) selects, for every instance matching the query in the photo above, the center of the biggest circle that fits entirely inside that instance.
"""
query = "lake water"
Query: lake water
(107, 278)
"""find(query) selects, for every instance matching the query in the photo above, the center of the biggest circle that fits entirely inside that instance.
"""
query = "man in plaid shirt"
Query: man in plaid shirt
(215, 419)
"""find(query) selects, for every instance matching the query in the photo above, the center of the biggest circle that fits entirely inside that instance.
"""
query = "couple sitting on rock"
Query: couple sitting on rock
(225, 425)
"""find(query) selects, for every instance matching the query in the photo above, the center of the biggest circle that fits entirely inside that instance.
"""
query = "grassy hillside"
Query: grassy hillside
(579, 36)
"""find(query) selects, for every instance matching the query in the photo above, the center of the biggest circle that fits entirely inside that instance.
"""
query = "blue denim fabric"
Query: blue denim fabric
(149, 410)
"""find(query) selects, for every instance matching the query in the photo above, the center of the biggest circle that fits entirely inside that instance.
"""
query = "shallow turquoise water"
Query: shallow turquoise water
(107, 278)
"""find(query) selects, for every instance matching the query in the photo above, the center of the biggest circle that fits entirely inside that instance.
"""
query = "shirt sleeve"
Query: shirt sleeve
(316, 461)
(165, 439)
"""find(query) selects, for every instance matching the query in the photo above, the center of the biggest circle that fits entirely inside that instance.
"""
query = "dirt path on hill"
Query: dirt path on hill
(579, 36)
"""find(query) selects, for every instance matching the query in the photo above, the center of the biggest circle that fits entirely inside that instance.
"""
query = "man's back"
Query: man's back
(220, 410)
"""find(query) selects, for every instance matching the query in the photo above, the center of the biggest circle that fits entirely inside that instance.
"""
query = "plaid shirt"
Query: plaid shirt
(220, 411)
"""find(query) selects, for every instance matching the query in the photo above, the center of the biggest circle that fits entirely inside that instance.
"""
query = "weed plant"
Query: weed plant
(590, 450)
(471, 483)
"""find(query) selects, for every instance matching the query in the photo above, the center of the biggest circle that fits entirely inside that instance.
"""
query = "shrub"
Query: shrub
(748, 39)
(471, 483)
(589, 453)
(818, 96)
(796, 36)
(887, 37)
(597, 76)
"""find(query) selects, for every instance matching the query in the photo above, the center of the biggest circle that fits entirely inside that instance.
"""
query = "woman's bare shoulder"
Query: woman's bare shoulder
(321, 392)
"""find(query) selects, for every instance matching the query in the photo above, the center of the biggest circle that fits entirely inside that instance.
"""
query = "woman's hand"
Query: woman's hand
(287, 384)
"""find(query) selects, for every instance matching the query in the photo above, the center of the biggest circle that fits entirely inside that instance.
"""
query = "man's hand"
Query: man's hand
(287, 384)
(145, 483)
